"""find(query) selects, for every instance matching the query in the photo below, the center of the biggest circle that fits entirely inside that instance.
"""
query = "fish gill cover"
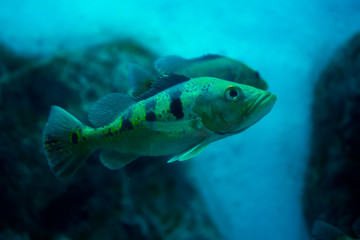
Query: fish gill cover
(244, 187)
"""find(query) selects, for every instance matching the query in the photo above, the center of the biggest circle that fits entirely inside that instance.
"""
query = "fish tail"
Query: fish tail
(63, 143)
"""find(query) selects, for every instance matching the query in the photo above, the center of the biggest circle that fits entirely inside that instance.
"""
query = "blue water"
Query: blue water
(251, 182)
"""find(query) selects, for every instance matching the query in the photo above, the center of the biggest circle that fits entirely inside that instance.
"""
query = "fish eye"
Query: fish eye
(232, 93)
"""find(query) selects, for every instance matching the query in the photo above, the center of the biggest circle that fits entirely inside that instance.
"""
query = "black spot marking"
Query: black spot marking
(176, 108)
(150, 116)
(257, 75)
(51, 142)
(126, 125)
(74, 138)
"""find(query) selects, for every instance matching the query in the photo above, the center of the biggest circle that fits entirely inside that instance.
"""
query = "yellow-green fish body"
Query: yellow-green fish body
(153, 121)
(178, 120)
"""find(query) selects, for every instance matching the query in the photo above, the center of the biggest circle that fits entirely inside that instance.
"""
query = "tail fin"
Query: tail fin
(63, 145)
(325, 231)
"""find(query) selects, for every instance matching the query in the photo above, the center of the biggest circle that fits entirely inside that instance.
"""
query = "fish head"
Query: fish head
(248, 76)
(228, 108)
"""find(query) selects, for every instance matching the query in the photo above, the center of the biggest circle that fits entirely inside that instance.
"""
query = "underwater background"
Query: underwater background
(297, 165)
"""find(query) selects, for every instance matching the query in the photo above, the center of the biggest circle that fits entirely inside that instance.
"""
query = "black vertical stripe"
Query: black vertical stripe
(126, 125)
(74, 138)
(150, 116)
(149, 110)
(176, 107)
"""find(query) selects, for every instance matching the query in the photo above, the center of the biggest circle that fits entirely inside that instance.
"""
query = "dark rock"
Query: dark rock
(11, 62)
(332, 190)
(148, 199)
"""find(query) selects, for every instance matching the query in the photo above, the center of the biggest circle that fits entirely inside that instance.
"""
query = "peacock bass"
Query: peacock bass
(177, 117)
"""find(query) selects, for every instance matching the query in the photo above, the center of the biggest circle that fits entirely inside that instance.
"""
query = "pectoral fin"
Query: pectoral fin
(113, 159)
(190, 153)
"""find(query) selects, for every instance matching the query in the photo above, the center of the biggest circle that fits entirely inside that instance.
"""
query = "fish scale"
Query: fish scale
(131, 123)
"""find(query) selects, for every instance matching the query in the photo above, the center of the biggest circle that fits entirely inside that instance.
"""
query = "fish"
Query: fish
(211, 65)
(178, 117)
(325, 231)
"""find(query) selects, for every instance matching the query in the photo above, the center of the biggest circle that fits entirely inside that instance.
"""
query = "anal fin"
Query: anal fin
(114, 159)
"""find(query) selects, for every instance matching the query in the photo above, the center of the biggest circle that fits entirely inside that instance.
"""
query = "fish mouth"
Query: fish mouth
(261, 106)
(262, 102)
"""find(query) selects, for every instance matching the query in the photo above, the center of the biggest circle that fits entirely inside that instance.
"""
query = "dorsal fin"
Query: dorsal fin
(140, 79)
(169, 64)
(206, 57)
(162, 83)
(107, 109)
(172, 63)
